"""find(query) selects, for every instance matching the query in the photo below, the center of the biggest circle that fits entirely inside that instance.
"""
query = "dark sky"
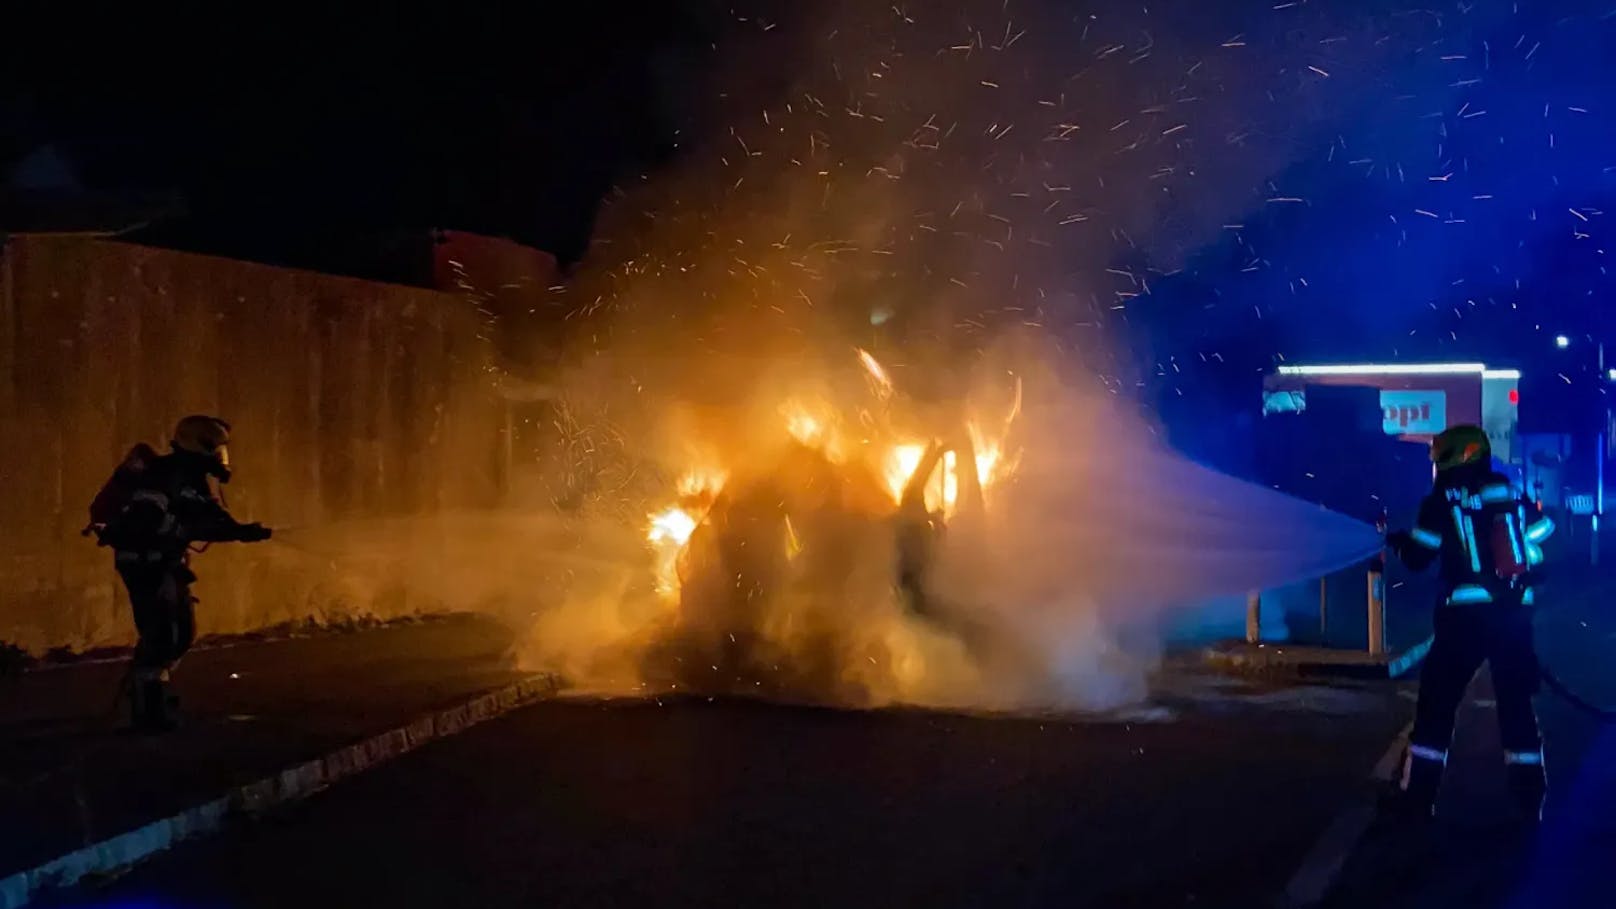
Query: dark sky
(510, 123)
(1256, 179)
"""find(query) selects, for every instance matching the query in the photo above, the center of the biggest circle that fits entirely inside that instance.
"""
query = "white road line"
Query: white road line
(1325, 860)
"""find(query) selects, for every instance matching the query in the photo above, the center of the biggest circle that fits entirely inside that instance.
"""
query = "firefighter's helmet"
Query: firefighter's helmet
(208, 437)
(1462, 444)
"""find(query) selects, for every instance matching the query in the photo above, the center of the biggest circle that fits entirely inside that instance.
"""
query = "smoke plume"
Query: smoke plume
(943, 189)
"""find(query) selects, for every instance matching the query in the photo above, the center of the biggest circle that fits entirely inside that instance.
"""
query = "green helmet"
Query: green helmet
(1462, 444)
(208, 438)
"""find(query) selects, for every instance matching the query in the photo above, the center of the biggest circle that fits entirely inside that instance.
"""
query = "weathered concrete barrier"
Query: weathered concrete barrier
(352, 401)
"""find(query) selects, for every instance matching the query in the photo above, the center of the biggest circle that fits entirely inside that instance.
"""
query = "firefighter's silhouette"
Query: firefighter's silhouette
(1485, 537)
(150, 513)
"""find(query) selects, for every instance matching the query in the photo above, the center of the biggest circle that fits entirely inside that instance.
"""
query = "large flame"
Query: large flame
(940, 489)
(817, 424)
(671, 528)
(901, 463)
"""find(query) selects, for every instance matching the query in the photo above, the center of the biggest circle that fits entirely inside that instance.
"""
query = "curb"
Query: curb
(289, 785)
(1410, 658)
(274, 634)
(1302, 661)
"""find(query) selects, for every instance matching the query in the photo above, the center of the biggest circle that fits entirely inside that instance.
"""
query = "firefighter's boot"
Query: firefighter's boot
(1420, 782)
(1528, 788)
(153, 708)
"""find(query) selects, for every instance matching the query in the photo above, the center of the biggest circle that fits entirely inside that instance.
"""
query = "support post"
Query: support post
(1599, 486)
(1377, 592)
(1253, 617)
(1377, 613)
(1324, 610)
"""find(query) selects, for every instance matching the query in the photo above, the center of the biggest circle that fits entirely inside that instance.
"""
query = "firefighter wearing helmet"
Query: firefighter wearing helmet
(150, 513)
(1485, 537)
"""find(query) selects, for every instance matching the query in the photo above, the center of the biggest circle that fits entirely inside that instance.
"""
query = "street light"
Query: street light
(1562, 342)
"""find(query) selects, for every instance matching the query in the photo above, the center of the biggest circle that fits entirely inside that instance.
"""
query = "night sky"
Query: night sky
(511, 124)
(1324, 180)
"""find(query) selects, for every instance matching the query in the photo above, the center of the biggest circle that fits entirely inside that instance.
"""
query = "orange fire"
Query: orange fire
(819, 425)
(941, 489)
(671, 528)
(873, 366)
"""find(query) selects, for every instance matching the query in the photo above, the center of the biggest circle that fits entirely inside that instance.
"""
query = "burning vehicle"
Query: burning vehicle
(778, 569)
(802, 532)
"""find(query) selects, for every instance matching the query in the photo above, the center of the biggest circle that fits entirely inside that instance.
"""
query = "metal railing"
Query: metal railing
(1374, 601)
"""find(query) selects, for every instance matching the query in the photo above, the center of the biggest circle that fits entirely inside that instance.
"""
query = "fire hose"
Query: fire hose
(1550, 680)
(1604, 714)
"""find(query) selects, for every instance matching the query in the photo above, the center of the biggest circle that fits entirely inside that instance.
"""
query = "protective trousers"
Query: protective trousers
(165, 623)
(1501, 635)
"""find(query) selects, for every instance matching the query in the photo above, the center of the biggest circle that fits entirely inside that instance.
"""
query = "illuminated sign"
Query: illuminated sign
(1389, 369)
(1421, 413)
(1403, 412)
(1284, 402)
(1418, 413)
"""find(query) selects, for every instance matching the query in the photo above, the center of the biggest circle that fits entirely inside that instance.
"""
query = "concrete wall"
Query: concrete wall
(351, 401)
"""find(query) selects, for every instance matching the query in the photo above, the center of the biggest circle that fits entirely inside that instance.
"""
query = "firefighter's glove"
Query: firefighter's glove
(254, 533)
(1398, 541)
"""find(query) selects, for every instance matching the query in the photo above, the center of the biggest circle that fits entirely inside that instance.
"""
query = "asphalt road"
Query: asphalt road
(1473, 857)
(69, 776)
(1210, 798)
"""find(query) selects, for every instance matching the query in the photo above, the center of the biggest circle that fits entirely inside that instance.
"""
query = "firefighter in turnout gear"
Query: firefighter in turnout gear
(1485, 537)
(150, 513)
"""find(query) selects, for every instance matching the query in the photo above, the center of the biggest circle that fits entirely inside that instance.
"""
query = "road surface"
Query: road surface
(1208, 798)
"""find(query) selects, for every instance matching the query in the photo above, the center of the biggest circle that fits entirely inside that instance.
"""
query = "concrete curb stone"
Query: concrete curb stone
(292, 784)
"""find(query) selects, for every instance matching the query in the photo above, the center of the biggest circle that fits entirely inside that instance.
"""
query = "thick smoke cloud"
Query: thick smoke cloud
(1050, 598)
(1201, 170)
(1101, 203)
(961, 189)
